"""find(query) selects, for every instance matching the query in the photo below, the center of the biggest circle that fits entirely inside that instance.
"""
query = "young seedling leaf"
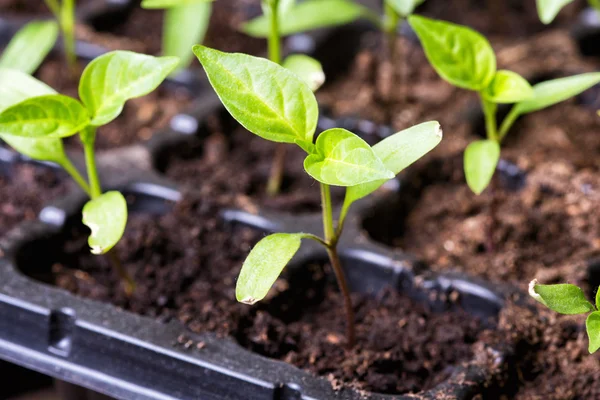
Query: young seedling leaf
(113, 78)
(264, 265)
(549, 9)
(344, 159)
(307, 68)
(548, 93)
(592, 325)
(397, 152)
(267, 99)
(308, 15)
(183, 27)
(106, 216)
(49, 116)
(30, 46)
(165, 4)
(480, 161)
(563, 298)
(459, 54)
(508, 87)
(598, 298)
(404, 8)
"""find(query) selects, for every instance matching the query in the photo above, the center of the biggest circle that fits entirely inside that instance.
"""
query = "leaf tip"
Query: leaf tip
(533, 293)
(248, 300)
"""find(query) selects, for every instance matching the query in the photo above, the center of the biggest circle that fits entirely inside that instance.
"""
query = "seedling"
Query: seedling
(34, 119)
(185, 23)
(30, 46)
(466, 59)
(549, 9)
(275, 104)
(569, 299)
(64, 13)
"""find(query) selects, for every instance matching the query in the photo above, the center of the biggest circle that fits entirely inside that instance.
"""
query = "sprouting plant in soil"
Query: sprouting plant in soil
(185, 23)
(275, 104)
(465, 58)
(30, 46)
(64, 13)
(569, 299)
(34, 119)
(549, 9)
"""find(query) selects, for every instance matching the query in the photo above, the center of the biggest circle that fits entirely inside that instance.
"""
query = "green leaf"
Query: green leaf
(183, 27)
(480, 159)
(551, 92)
(404, 8)
(508, 87)
(113, 78)
(592, 326)
(563, 298)
(30, 46)
(549, 9)
(598, 298)
(344, 159)
(16, 86)
(49, 116)
(397, 152)
(264, 265)
(106, 216)
(307, 68)
(267, 99)
(161, 4)
(306, 16)
(459, 54)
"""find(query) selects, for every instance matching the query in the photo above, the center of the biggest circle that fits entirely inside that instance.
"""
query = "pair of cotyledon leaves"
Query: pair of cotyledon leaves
(276, 104)
(569, 299)
(35, 118)
(465, 58)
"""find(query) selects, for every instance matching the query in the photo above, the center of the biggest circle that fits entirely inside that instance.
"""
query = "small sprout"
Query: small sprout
(34, 118)
(30, 46)
(569, 299)
(64, 13)
(185, 24)
(466, 59)
(276, 104)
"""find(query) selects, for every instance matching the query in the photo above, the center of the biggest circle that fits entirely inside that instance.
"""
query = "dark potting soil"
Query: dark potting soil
(402, 346)
(140, 119)
(25, 189)
(240, 163)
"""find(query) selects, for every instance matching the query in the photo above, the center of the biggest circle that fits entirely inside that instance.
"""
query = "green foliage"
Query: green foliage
(404, 8)
(307, 68)
(268, 100)
(164, 4)
(549, 9)
(113, 78)
(508, 87)
(64, 13)
(480, 161)
(264, 265)
(30, 46)
(569, 299)
(106, 216)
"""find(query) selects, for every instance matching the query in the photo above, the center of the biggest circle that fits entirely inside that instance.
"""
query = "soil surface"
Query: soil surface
(25, 189)
(193, 279)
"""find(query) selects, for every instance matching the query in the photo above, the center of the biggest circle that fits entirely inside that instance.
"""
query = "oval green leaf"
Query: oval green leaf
(592, 326)
(264, 265)
(267, 99)
(106, 216)
(480, 161)
(459, 54)
(30, 46)
(546, 94)
(113, 78)
(50, 116)
(549, 9)
(308, 15)
(397, 152)
(404, 8)
(307, 68)
(508, 87)
(343, 159)
(563, 298)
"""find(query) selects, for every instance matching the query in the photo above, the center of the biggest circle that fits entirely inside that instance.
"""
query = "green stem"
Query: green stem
(508, 122)
(331, 240)
(54, 8)
(90, 162)
(67, 23)
(274, 36)
(68, 166)
(489, 111)
(392, 19)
